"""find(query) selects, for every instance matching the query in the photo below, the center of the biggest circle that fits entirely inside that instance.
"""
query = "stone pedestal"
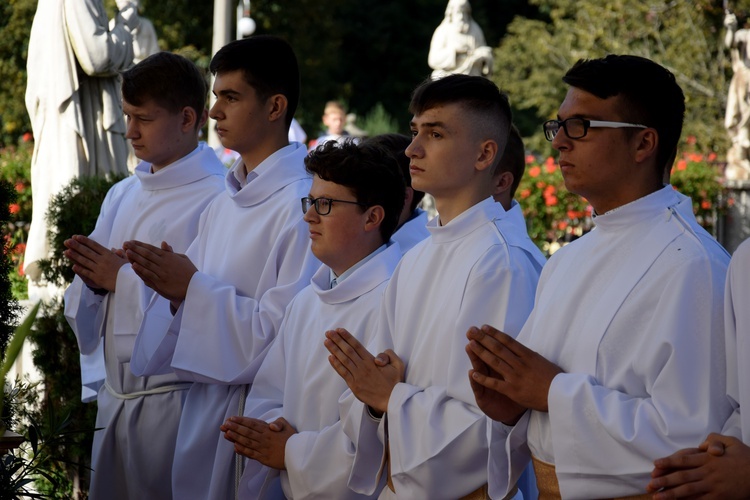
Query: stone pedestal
(736, 226)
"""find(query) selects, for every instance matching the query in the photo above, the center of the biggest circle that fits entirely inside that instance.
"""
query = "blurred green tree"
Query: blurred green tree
(686, 37)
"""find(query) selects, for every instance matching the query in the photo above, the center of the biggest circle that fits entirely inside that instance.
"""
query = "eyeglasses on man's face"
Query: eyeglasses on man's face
(323, 205)
(576, 128)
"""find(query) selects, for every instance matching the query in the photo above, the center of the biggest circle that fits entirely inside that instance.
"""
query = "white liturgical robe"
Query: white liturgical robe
(633, 314)
(737, 326)
(252, 255)
(138, 431)
(412, 231)
(479, 268)
(297, 382)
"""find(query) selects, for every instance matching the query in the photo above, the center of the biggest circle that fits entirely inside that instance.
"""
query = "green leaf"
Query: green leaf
(14, 348)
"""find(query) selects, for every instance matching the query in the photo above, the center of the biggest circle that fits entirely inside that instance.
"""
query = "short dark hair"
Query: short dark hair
(170, 80)
(267, 63)
(649, 93)
(513, 159)
(476, 94)
(368, 170)
(397, 144)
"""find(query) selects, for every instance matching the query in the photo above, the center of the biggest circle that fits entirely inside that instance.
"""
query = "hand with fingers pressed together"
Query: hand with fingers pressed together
(717, 468)
(370, 378)
(166, 272)
(259, 440)
(95, 264)
(515, 373)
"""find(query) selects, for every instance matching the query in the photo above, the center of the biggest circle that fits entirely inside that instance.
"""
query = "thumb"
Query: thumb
(382, 359)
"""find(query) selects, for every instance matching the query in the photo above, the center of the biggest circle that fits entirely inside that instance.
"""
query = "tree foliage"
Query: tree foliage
(15, 25)
(367, 53)
(364, 53)
(686, 37)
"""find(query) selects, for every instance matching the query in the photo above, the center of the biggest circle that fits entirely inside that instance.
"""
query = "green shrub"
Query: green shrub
(15, 166)
(378, 121)
(72, 211)
(555, 216)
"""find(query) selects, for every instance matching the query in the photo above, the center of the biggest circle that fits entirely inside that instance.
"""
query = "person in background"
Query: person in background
(412, 222)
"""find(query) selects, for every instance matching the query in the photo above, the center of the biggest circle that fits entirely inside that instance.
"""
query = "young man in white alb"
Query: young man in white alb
(414, 420)
(622, 358)
(164, 99)
(222, 303)
(352, 209)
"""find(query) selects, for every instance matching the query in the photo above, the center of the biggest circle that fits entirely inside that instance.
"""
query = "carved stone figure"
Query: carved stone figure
(73, 100)
(737, 118)
(458, 44)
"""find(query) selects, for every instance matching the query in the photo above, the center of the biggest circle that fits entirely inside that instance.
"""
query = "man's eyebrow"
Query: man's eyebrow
(582, 116)
(225, 92)
(437, 124)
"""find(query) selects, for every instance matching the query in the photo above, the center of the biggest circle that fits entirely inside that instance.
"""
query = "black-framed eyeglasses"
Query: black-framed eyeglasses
(576, 128)
(323, 205)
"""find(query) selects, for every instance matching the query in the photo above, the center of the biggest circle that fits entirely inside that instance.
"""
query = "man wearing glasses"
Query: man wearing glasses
(352, 210)
(621, 360)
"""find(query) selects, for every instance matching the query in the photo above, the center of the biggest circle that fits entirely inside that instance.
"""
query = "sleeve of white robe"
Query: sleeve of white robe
(265, 402)
(223, 335)
(361, 429)
(318, 463)
(133, 296)
(82, 306)
(155, 342)
(737, 329)
(681, 405)
(508, 455)
(99, 51)
(437, 435)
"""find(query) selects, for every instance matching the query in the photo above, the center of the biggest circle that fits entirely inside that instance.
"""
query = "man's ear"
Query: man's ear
(190, 119)
(502, 182)
(277, 105)
(648, 144)
(487, 153)
(375, 217)
(202, 119)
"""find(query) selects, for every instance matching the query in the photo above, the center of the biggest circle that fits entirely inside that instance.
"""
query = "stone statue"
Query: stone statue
(458, 44)
(737, 117)
(73, 100)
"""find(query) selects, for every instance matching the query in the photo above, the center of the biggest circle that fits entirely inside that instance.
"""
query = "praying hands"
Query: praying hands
(518, 377)
(259, 440)
(161, 269)
(96, 265)
(370, 378)
(718, 467)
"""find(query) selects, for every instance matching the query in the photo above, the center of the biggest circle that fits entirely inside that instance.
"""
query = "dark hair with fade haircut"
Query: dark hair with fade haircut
(513, 159)
(268, 64)
(650, 95)
(170, 80)
(476, 94)
(368, 170)
(397, 144)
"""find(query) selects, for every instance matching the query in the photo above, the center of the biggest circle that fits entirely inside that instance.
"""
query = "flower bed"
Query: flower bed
(554, 216)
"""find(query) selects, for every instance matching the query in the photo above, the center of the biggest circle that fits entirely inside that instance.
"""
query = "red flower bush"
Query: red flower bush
(555, 216)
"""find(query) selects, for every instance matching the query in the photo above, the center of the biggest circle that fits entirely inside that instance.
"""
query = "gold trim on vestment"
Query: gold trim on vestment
(549, 488)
